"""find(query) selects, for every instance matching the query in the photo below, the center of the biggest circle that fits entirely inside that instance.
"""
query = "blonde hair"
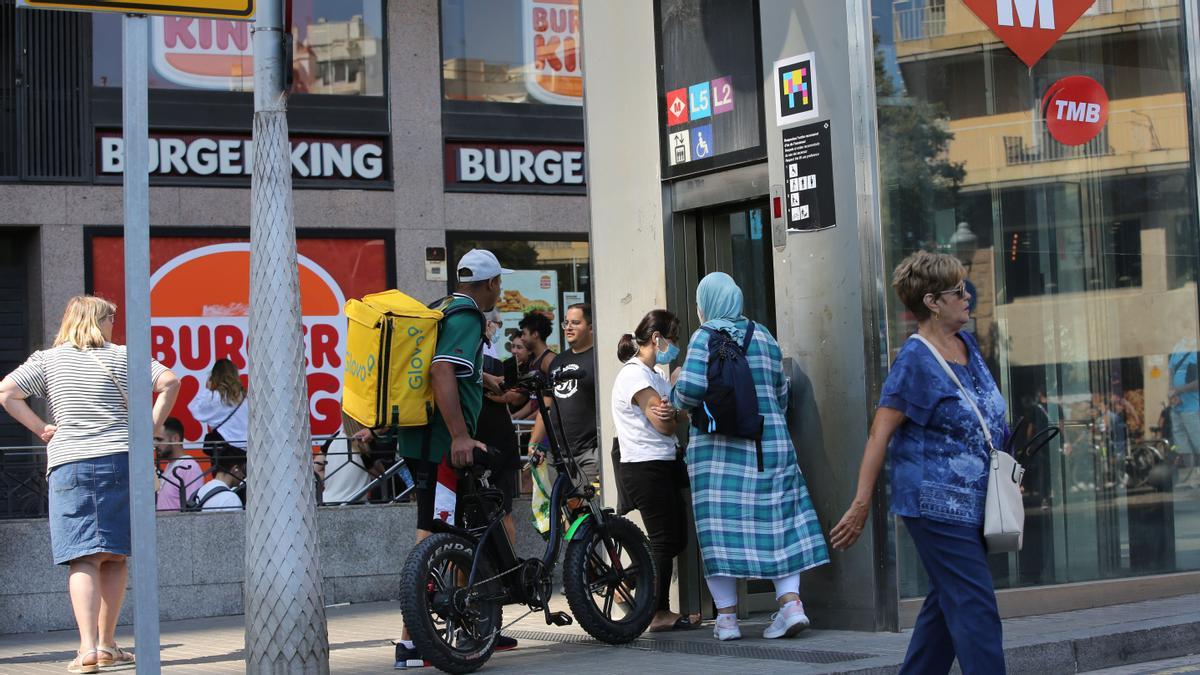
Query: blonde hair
(81, 322)
(225, 381)
(923, 273)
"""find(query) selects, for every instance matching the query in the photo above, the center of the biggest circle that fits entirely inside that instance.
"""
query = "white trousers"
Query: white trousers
(724, 589)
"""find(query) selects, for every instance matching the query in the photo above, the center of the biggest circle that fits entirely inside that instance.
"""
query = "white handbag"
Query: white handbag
(1004, 514)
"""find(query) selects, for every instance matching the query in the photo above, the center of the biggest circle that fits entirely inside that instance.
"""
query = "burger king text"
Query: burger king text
(233, 156)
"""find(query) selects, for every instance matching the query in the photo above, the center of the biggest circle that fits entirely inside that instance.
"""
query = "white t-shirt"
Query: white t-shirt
(640, 441)
(223, 501)
(231, 421)
(345, 474)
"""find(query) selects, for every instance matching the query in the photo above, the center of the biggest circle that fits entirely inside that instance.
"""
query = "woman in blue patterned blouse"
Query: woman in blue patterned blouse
(752, 520)
(939, 470)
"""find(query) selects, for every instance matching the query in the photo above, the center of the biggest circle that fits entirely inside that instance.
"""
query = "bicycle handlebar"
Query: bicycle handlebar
(539, 381)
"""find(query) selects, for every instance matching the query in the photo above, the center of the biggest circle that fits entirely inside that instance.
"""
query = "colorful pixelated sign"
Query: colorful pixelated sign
(795, 89)
(554, 73)
(1075, 109)
(1029, 27)
(199, 309)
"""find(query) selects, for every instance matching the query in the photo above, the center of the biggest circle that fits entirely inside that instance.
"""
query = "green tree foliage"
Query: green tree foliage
(918, 178)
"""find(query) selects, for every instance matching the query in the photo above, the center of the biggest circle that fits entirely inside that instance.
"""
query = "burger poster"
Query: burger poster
(555, 66)
(200, 301)
(526, 291)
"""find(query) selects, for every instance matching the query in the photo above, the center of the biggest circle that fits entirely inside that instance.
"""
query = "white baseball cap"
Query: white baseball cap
(479, 265)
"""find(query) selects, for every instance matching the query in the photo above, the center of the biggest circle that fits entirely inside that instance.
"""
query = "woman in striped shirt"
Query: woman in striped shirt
(84, 379)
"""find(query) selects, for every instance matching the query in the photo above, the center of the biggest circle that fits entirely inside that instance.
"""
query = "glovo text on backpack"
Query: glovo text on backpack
(389, 351)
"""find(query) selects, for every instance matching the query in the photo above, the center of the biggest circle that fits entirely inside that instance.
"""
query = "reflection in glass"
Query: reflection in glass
(512, 51)
(1083, 262)
(337, 49)
(548, 277)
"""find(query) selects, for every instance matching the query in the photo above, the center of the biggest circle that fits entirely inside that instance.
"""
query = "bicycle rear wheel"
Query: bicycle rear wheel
(611, 591)
(453, 627)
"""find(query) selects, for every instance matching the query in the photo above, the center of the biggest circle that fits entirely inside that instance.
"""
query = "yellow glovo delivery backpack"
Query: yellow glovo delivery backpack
(389, 350)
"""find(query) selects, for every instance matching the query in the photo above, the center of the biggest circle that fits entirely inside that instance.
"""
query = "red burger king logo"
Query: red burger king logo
(200, 303)
(203, 53)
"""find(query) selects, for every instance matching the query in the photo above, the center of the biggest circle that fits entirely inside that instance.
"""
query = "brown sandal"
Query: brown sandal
(78, 666)
(114, 656)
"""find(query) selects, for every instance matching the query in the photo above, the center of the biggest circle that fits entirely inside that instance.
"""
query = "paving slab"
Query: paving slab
(360, 643)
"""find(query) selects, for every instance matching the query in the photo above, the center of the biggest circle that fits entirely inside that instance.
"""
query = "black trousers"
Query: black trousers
(654, 489)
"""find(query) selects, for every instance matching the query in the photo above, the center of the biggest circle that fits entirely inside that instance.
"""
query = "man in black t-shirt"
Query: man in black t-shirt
(576, 400)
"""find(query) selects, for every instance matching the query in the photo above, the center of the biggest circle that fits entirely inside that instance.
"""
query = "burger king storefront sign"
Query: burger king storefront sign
(229, 156)
(200, 300)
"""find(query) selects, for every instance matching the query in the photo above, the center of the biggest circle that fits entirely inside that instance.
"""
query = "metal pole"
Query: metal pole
(285, 610)
(135, 130)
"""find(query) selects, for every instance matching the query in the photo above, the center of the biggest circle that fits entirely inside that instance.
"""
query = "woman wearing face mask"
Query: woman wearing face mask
(650, 473)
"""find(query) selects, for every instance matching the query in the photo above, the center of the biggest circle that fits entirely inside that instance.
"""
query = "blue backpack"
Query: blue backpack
(730, 404)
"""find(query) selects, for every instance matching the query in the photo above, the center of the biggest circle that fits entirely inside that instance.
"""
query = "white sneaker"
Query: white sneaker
(726, 628)
(788, 621)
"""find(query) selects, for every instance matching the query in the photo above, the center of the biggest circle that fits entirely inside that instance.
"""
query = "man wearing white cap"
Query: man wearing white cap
(457, 375)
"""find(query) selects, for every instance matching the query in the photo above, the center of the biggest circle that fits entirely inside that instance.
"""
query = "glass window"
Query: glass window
(709, 89)
(512, 51)
(337, 49)
(1082, 261)
(548, 276)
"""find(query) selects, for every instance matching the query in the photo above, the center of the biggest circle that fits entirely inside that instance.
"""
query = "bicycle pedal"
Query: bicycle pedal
(559, 618)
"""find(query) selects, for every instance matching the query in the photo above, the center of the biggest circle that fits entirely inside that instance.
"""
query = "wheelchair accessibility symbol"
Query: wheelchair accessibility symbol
(702, 142)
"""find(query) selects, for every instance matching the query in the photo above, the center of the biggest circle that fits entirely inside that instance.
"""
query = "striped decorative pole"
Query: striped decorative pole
(286, 630)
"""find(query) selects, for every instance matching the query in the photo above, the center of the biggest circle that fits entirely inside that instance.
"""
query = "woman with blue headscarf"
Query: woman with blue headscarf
(752, 520)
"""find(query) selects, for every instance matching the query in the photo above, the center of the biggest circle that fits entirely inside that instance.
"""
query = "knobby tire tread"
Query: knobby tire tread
(413, 606)
(579, 599)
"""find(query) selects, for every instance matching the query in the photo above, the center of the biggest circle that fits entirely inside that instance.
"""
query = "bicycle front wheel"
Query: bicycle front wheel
(611, 590)
(452, 626)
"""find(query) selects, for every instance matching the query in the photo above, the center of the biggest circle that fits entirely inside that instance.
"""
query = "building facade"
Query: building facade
(419, 128)
(873, 129)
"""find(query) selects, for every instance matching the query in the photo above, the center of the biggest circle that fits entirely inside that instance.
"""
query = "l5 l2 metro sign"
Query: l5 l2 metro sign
(1029, 27)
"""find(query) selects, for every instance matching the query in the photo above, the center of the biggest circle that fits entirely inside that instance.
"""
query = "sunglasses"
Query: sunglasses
(959, 291)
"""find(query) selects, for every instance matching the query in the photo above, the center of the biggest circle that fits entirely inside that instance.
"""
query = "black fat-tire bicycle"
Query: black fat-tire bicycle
(455, 583)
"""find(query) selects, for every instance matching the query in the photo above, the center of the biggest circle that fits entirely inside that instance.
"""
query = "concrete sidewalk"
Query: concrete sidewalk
(359, 638)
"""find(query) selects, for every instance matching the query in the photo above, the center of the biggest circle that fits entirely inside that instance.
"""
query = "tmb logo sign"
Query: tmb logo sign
(1029, 27)
(1075, 109)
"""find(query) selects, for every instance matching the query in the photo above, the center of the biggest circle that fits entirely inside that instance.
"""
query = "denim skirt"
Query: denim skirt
(89, 507)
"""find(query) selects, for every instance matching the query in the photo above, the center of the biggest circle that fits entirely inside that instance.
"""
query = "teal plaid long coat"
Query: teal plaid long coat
(749, 524)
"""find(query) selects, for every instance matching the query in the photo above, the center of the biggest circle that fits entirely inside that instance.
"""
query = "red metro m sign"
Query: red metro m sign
(1029, 27)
